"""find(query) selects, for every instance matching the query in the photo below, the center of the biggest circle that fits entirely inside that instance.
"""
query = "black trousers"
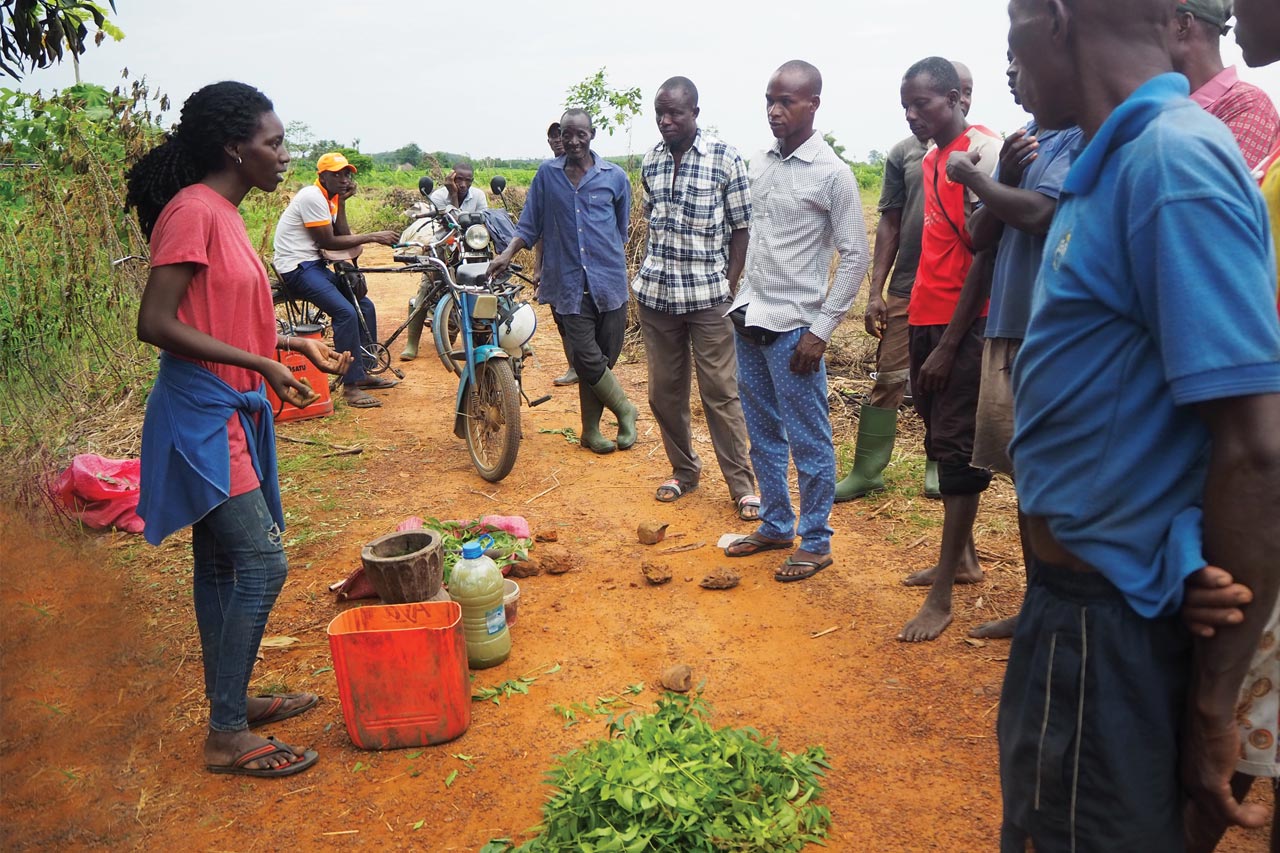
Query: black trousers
(1090, 718)
(593, 338)
(950, 416)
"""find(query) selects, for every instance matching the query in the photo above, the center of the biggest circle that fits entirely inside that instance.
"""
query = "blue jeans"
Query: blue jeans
(317, 284)
(787, 414)
(239, 570)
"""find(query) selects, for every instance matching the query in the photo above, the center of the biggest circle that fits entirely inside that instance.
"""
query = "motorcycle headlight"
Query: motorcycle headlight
(477, 237)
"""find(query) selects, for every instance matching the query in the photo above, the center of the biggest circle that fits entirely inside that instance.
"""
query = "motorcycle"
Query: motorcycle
(466, 238)
(482, 332)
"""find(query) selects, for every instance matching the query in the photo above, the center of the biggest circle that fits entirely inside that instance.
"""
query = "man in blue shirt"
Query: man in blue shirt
(579, 206)
(1022, 195)
(1147, 445)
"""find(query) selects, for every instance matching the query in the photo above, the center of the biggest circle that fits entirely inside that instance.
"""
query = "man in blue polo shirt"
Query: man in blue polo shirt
(580, 206)
(1147, 446)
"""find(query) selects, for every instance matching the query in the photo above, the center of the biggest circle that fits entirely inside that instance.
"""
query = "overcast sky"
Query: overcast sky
(485, 79)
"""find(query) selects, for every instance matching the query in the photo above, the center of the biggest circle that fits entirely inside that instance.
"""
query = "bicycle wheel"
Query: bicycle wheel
(292, 312)
(377, 358)
(493, 419)
(448, 347)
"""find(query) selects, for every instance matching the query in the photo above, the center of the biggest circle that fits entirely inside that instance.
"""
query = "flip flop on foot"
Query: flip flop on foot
(358, 399)
(673, 490)
(752, 544)
(377, 383)
(798, 570)
(749, 507)
(282, 706)
(298, 762)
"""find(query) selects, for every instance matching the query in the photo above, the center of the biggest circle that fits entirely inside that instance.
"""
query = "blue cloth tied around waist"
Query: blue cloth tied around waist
(186, 457)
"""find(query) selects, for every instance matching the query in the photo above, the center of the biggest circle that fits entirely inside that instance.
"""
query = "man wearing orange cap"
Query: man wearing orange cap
(316, 221)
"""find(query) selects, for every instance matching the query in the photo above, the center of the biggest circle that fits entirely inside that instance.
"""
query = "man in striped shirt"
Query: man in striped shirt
(805, 207)
(698, 205)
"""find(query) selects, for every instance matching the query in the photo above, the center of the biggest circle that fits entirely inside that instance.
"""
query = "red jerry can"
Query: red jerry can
(302, 367)
(402, 673)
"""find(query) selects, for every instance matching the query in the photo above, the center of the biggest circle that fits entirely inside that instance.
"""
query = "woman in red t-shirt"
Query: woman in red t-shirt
(208, 455)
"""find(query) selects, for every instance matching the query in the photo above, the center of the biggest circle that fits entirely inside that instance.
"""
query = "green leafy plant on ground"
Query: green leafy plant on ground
(670, 781)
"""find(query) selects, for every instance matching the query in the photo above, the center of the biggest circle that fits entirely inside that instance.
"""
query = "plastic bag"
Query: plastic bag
(101, 493)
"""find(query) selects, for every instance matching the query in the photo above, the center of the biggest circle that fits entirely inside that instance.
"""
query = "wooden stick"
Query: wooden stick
(693, 546)
(541, 493)
(830, 630)
(880, 509)
(312, 441)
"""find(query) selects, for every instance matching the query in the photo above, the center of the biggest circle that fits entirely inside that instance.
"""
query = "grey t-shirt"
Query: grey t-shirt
(904, 190)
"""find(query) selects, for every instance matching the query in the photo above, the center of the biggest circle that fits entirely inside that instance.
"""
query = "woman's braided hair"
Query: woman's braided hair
(213, 116)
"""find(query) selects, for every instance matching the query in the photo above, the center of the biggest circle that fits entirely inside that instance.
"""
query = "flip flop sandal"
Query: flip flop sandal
(301, 761)
(361, 400)
(752, 502)
(377, 383)
(274, 714)
(673, 490)
(809, 569)
(757, 545)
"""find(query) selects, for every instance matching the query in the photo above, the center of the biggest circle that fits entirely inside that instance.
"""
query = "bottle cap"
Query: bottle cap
(476, 547)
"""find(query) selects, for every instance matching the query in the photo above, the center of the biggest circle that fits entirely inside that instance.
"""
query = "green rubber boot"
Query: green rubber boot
(413, 333)
(591, 437)
(932, 489)
(610, 392)
(876, 431)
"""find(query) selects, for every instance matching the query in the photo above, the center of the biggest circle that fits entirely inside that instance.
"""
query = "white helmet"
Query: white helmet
(516, 328)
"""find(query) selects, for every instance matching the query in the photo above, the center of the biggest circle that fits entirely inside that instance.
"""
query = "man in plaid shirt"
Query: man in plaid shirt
(698, 204)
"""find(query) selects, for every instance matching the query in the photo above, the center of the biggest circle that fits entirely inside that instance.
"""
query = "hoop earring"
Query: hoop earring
(239, 162)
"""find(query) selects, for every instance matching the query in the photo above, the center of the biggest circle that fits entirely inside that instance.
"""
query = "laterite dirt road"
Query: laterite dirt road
(103, 717)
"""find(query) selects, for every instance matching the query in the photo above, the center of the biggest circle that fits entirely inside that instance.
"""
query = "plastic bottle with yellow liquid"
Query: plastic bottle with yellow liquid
(476, 584)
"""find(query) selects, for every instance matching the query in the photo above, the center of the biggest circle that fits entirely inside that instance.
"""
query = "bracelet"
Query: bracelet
(288, 342)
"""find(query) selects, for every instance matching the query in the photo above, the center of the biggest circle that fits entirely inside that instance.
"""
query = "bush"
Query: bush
(68, 351)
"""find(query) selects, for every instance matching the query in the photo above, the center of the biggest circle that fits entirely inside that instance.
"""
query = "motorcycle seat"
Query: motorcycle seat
(472, 275)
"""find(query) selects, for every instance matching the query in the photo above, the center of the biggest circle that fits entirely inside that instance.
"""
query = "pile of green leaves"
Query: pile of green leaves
(670, 781)
(506, 549)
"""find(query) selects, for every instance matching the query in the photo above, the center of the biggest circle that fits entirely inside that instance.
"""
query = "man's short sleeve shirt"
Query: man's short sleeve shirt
(903, 189)
(691, 214)
(1019, 255)
(293, 244)
(1245, 110)
(1156, 293)
(473, 203)
(946, 249)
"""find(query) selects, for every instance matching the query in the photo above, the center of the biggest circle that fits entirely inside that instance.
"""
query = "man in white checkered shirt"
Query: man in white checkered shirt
(698, 205)
(805, 206)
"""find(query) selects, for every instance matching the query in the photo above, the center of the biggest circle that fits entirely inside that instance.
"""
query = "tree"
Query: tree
(35, 33)
(876, 157)
(830, 139)
(299, 139)
(610, 109)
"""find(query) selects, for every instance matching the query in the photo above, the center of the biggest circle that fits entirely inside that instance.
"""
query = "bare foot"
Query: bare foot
(925, 577)
(927, 625)
(1000, 629)
(221, 749)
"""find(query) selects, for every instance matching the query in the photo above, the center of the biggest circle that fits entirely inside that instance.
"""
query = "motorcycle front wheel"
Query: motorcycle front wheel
(493, 419)
(448, 346)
